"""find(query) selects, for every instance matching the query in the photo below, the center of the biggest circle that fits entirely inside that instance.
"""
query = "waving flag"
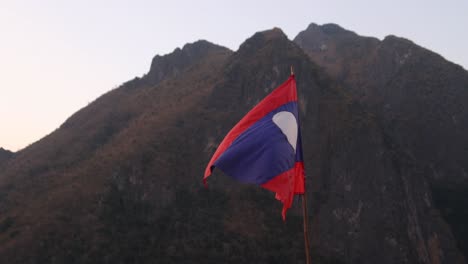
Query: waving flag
(264, 148)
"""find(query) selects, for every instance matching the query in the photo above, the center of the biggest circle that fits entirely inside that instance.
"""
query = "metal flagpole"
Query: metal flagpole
(304, 213)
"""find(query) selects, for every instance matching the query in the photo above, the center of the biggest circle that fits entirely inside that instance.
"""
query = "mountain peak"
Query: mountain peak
(200, 48)
(330, 45)
(329, 29)
(320, 38)
(268, 35)
(5, 154)
(261, 39)
(172, 64)
(2, 150)
(273, 33)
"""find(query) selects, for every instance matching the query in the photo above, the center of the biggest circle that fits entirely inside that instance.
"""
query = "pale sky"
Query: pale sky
(57, 56)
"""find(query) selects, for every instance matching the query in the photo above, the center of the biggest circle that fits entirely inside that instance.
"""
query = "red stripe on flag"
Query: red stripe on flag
(286, 185)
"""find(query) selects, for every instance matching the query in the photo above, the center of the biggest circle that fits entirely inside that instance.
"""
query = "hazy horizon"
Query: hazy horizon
(57, 57)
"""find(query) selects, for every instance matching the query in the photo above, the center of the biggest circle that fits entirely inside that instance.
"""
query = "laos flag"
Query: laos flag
(264, 148)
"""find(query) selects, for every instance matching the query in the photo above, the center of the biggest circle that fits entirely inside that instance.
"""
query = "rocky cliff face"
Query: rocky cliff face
(418, 98)
(120, 181)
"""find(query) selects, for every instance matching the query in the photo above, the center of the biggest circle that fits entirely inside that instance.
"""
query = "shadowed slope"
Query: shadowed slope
(418, 98)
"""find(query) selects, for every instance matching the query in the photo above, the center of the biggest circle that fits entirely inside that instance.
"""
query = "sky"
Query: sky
(56, 56)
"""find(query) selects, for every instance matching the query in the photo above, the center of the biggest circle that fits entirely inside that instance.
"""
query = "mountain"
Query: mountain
(120, 180)
(62, 191)
(419, 99)
(5, 154)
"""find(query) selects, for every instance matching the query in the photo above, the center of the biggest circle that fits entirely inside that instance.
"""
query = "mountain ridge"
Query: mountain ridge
(120, 180)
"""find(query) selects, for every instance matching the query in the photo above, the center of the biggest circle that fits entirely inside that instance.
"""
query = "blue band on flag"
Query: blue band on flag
(262, 151)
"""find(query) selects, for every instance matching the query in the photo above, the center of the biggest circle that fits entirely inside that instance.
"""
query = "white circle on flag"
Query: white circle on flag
(287, 123)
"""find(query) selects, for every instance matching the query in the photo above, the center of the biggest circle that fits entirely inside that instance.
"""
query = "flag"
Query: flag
(265, 148)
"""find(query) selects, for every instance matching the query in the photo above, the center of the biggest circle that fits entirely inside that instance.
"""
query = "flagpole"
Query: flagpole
(304, 213)
(306, 226)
